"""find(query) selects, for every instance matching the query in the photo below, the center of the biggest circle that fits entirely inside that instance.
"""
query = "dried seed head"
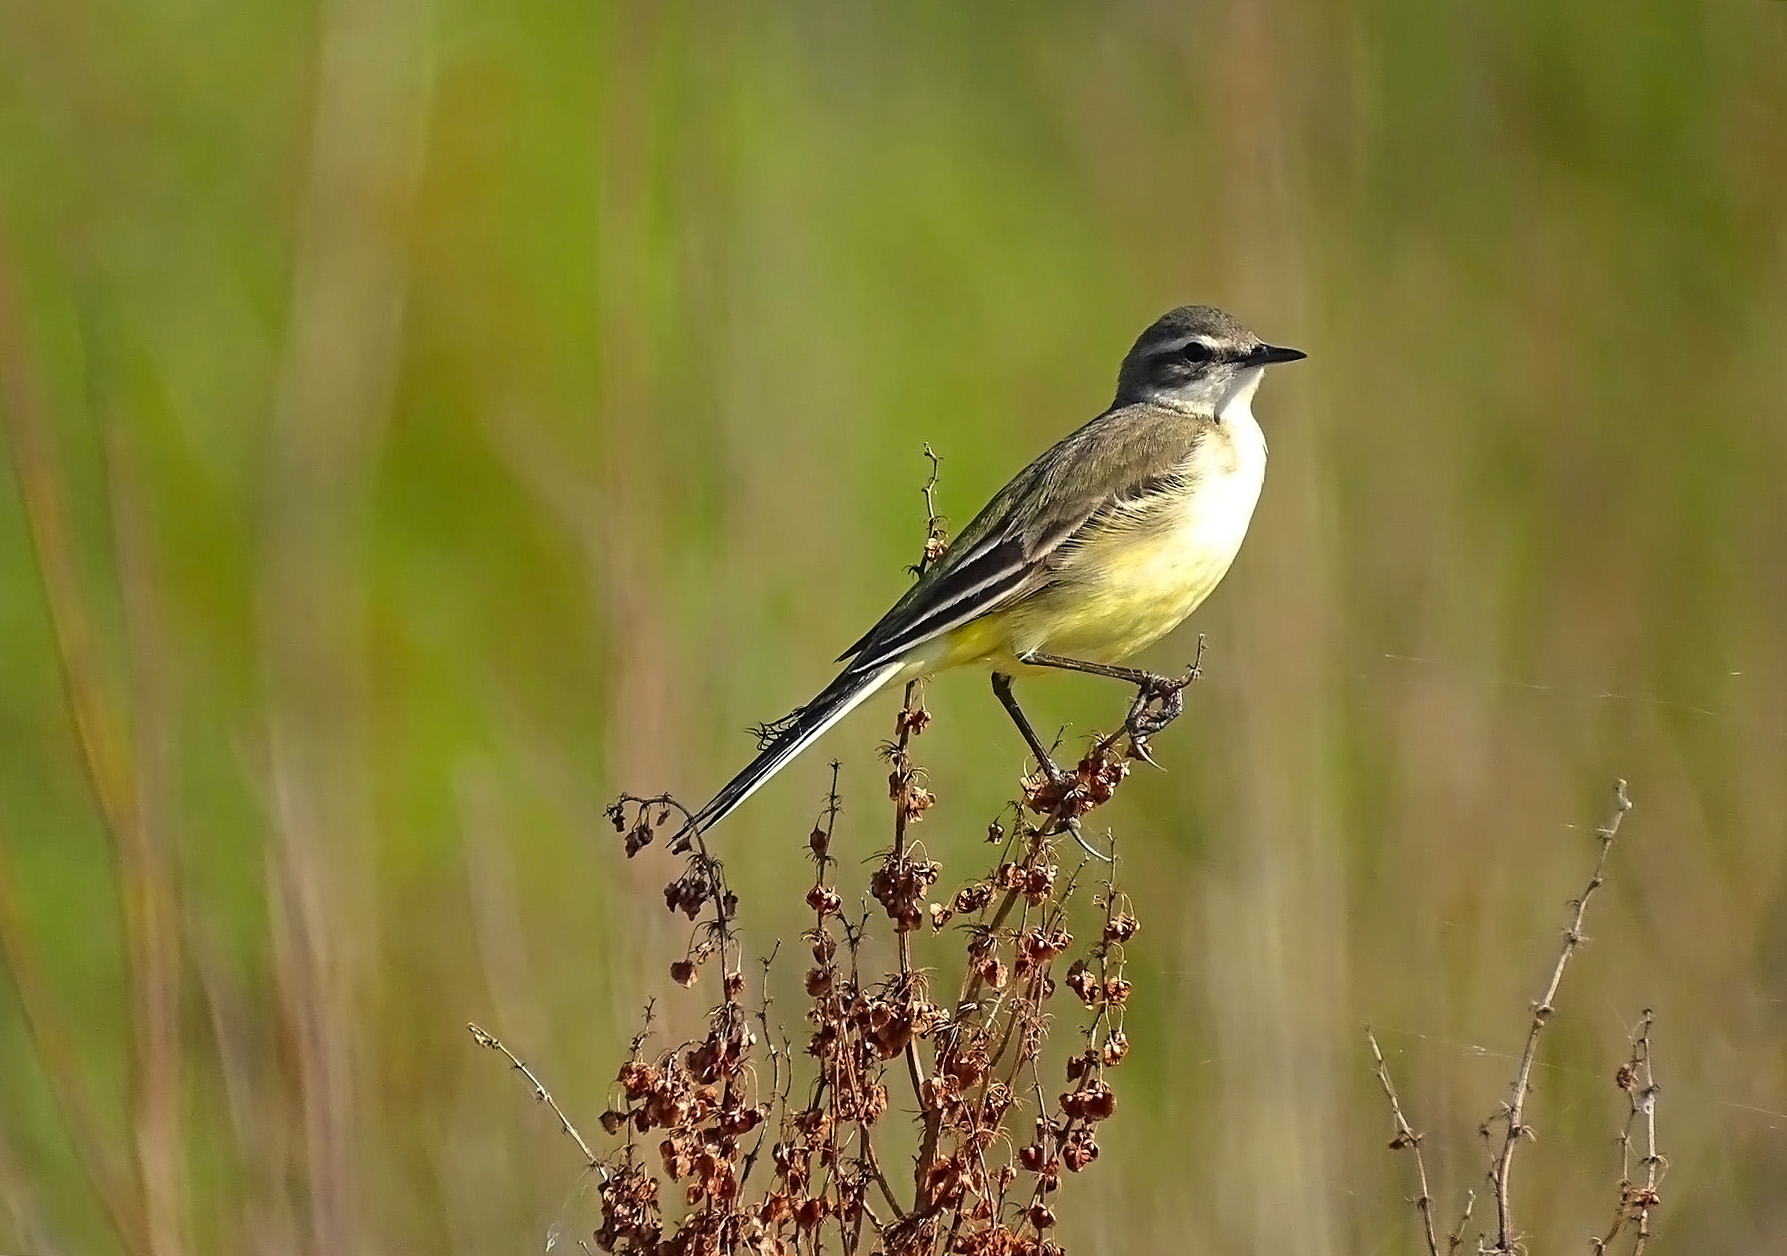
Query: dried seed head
(824, 900)
(1084, 985)
(637, 1078)
(1121, 927)
(912, 720)
(683, 973)
(1080, 1150)
(971, 898)
(638, 837)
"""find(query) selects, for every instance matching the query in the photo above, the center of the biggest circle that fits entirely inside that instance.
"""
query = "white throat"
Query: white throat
(1236, 403)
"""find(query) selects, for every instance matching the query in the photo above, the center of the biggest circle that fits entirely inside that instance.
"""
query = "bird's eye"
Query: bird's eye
(1196, 351)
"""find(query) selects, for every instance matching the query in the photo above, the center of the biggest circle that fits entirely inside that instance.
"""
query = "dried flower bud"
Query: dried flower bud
(824, 900)
(637, 1078)
(819, 841)
(1116, 1046)
(940, 915)
(1081, 981)
(912, 720)
(916, 802)
(972, 898)
(613, 1121)
(1116, 991)
(1040, 1216)
(992, 971)
(1098, 1101)
(683, 973)
(638, 837)
(1121, 927)
(818, 982)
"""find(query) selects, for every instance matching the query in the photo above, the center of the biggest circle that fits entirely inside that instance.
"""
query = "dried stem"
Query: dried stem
(1406, 1137)
(1513, 1117)
(1637, 1199)
(541, 1094)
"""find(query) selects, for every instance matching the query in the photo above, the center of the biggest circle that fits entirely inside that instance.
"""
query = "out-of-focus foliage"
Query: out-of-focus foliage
(463, 412)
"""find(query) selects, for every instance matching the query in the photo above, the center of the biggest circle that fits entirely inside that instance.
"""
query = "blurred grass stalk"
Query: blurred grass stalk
(333, 396)
(146, 1212)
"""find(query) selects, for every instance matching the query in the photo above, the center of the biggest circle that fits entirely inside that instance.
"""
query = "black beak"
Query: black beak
(1266, 355)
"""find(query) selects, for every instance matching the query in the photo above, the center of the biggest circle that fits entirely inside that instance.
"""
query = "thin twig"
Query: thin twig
(910, 720)
(1406, 1137)
(1636, 1200)
(1514, 1115)
(484, 1039)
(1455, 1239)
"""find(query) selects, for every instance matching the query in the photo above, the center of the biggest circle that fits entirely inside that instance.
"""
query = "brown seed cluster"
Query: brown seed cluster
(1090, 785)
(774, 1153)
(765, 1157)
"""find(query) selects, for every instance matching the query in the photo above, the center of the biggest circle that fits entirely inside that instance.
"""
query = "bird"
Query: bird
(1106, 542)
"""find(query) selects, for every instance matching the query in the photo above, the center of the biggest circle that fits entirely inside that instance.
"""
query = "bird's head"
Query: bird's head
(1197, 358)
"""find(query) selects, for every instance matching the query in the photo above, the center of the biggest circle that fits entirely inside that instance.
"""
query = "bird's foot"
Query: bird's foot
(1159, 700)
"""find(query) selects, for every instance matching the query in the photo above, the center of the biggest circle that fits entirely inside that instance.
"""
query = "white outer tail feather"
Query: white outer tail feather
(833, 703)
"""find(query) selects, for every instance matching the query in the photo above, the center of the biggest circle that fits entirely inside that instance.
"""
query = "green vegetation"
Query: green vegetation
(463, 413)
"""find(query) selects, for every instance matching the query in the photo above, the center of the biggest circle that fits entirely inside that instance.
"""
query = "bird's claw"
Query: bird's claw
(1144, 722)
(1073, 827)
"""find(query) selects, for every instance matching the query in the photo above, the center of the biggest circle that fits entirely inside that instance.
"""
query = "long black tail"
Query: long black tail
(834, 702)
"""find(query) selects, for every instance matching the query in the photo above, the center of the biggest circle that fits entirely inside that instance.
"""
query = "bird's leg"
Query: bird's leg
(1145, 717)
(1002, 687)
(1059, 781)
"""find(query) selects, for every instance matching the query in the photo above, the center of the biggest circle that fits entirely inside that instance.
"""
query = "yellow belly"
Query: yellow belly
(1129, 583)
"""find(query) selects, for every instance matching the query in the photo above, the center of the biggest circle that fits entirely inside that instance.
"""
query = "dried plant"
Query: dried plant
(735, 1142)
(1507, 1128)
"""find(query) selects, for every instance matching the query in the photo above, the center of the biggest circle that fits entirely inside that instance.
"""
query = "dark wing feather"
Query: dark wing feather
(1004, 552)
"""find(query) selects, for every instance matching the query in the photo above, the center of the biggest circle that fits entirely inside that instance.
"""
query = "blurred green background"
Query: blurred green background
(461, 412)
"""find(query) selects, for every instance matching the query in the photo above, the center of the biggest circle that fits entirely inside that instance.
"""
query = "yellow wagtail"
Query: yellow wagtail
(1098, 548)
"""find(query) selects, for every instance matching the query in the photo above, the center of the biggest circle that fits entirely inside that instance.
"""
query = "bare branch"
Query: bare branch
(1513, 1115)
(1407, 1138)
(1636, 1199)
(541, 1094)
